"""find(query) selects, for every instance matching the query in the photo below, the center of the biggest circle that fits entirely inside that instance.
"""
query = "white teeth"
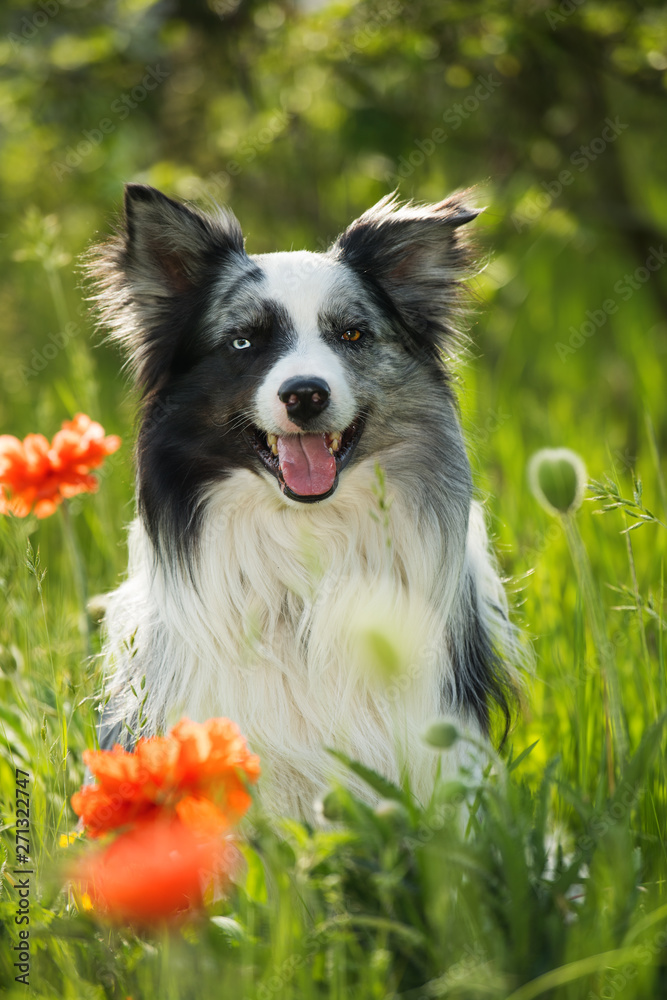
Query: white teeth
(273, 443)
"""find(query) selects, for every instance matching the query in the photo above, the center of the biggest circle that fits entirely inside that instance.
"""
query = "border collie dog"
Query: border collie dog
(304, 494)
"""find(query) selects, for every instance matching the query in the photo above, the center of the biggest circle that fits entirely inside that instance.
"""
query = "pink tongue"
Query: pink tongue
(306, 464)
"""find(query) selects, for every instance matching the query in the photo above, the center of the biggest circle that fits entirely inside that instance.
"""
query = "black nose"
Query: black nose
(304, 398)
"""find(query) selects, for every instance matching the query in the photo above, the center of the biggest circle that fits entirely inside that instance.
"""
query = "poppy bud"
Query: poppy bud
(557, 478)
(441, 734)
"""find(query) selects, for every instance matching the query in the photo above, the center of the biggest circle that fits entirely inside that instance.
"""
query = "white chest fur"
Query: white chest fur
(308, 626)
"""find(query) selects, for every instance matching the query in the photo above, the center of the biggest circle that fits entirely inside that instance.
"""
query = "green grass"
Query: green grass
(396, 903)
(556, 888)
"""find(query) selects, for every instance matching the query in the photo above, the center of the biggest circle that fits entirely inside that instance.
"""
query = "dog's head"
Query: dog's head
(294, 365)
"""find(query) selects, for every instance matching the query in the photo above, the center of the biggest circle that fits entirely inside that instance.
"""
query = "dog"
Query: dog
(308, 558)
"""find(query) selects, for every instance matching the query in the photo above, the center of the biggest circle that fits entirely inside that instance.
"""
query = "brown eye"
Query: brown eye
(352, 335)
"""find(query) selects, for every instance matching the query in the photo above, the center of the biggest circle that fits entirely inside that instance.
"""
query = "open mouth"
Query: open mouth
(307, 466)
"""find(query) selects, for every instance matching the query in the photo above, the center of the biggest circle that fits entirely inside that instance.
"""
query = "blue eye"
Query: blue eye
(241, 343)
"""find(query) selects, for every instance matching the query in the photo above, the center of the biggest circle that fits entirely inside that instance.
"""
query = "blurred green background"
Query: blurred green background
(300, 116)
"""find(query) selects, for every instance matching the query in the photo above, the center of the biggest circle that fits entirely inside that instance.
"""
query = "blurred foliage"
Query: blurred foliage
(300, 116)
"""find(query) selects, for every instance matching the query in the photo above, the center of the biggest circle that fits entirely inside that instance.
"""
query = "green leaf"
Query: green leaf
(231, 928)
(522, 756)
(387, 789)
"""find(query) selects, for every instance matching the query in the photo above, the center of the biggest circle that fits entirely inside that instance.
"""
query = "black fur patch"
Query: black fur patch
(481, 676)
(414, 260)
(195, 429)
(154, 279)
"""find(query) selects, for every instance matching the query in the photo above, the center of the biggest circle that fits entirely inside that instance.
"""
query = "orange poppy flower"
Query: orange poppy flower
(25, 470)
(212, 756)
(36, 475)
(174, 799)
(152, 872)
(207, 760)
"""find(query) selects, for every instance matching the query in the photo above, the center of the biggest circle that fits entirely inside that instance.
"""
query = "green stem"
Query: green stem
(58, 296)
(655, 455)
(79, 575)
(649, 692)
(615, 733)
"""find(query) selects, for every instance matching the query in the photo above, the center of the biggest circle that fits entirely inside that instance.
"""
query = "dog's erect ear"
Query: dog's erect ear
(171, 245)
(150, 277)
(416, 257)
